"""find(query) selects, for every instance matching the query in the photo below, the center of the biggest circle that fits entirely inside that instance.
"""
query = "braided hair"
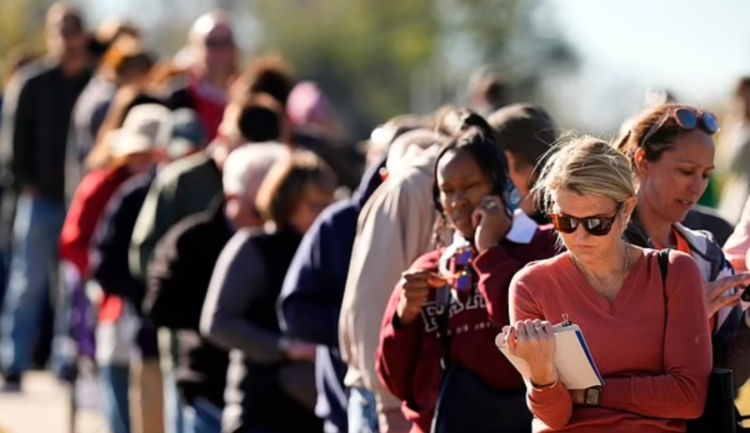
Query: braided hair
(475, 136)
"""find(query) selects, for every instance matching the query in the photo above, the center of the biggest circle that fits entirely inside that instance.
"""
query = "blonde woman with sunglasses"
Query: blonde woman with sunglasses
(648, 337)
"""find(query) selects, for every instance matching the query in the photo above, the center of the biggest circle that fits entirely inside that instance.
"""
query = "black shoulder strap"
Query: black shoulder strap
(443, 322)
(663, 256)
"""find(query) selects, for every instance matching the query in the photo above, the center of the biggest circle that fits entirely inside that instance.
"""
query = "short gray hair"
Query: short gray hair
(247, 167)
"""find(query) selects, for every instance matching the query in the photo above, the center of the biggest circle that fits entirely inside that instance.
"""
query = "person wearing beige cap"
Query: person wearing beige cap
(130, 153)
(131, 150)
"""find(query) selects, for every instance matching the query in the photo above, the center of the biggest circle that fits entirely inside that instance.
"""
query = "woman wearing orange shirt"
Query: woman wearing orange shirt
(671, 148)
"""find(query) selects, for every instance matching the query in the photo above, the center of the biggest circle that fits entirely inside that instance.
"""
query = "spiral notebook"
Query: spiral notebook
(573, 360)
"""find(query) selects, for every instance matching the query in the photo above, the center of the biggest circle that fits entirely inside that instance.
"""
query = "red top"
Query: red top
(655, 358)
(208, 105)
(86, 209)
(408, 359)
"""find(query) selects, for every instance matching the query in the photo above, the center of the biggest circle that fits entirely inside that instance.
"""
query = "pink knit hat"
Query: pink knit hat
(307, 104)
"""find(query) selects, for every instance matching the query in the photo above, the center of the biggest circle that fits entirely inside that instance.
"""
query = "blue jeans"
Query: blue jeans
(36, 233)
(115, 382)
(173, 411)
(64, 346)
(362, 411)
(201, 417)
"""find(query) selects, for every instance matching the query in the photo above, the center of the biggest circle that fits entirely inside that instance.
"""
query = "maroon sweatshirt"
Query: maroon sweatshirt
(408, 359)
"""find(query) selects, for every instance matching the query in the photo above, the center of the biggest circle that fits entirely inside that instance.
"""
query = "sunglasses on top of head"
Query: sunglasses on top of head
(687, 119)
(595, 226)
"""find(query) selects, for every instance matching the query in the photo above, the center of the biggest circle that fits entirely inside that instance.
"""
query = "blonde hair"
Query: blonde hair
(586, 166)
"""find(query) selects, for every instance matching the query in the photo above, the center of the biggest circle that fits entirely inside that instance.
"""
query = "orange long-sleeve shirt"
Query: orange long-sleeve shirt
(655, 358)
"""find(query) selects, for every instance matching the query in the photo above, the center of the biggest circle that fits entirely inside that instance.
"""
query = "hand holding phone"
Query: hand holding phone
(716, 297)
(491, 222)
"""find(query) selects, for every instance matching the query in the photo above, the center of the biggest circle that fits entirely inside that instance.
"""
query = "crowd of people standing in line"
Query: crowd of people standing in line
(227, 261)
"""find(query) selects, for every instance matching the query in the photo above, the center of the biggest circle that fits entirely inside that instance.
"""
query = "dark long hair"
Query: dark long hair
(476, 137)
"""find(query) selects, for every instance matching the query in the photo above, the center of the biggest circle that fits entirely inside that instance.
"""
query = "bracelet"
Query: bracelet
(536, 387)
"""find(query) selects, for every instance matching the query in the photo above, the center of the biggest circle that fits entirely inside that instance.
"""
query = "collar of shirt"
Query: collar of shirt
(522, 231)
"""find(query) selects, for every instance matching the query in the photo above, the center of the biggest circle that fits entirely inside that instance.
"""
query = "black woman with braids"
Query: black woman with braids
(437, 350)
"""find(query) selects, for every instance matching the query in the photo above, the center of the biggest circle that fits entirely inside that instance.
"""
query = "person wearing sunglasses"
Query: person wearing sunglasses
(448, 307)
(649, 339)
(671, 148)
(211, 62)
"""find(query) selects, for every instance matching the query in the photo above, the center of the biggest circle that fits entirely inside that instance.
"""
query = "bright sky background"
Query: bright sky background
(697, 48)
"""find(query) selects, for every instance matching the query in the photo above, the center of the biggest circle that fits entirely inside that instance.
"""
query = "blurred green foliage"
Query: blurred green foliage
(371, 56)
(374, 59)
(20, 24)
(361, 52)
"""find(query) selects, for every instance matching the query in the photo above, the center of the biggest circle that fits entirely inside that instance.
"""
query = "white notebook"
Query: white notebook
(573, 360)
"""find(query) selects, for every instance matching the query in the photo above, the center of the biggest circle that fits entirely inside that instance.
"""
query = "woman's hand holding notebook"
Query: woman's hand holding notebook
(573, 360)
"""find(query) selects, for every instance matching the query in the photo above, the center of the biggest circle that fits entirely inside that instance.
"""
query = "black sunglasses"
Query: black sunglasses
(687, 119)
(595, 226)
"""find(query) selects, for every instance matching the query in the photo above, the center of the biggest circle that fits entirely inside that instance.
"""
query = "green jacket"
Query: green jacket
(183, 188)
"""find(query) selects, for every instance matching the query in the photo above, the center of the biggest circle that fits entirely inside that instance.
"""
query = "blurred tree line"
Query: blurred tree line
(20, 27)
(374, 59)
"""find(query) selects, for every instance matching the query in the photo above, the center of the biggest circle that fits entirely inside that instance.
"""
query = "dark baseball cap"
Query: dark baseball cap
(188, 133)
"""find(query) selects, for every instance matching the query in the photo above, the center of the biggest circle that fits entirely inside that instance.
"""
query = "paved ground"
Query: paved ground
(44, 405)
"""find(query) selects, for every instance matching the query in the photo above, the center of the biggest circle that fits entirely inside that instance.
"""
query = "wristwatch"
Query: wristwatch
(593, 396)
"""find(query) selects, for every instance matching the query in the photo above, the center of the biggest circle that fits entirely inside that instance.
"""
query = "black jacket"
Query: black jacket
(246, 284)
(109, 258)
(178, 279)
(36, 119)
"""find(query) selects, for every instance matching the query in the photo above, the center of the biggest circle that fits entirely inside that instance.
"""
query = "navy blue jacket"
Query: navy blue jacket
(313, 291)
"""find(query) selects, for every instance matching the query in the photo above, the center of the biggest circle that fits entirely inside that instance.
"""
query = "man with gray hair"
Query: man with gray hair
(180, 272)
(188, 187)
(243, 174)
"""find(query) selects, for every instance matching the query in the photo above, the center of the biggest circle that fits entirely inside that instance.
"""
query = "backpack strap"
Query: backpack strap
(663, 257)
(443, 322)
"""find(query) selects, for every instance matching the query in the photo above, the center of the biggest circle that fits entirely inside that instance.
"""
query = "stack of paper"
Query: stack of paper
(575, 365)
